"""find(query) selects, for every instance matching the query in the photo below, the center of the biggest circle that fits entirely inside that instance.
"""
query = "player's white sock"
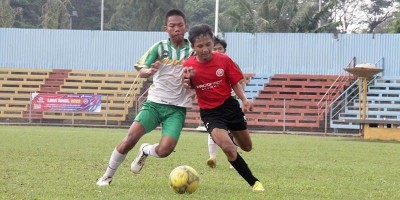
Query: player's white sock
(115, 160)
(212, 147)
(151, 150)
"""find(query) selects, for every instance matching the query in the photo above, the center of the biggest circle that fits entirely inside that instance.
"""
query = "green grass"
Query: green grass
(64, 163)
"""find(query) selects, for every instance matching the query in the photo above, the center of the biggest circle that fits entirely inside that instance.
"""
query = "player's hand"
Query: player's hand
(247, 105)
(154, 68)
(186, 83)
(188, 73)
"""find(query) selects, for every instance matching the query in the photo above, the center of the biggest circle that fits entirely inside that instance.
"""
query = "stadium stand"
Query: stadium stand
(291, 101)
(16, 88)
(113, 86)
(300, 93)
(18, 84)
(383, 100)
(255, 84)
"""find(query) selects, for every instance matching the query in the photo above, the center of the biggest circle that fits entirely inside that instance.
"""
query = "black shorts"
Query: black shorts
(228, 116)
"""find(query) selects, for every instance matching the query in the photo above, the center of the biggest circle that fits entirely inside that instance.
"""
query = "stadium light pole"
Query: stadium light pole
(319, 5)
(74, 13)
(102, 15)
(319, 10)
(216, 17)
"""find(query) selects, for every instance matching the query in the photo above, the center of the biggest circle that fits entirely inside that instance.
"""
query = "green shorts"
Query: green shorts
(171, 118)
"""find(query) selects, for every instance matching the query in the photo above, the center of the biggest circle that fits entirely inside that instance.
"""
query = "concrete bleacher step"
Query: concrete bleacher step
(53, 82)
(386, 92)
(50, 81)
(387, 80)
(32, 115)
(59, 73)
(49, 88)
(255, 84)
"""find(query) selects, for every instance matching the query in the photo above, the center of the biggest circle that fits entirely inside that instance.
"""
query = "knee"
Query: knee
(125, 146)
(247, 147)
(163, 152)
(230, 151)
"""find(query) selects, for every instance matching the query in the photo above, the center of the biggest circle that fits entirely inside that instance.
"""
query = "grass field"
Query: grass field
(64, 163)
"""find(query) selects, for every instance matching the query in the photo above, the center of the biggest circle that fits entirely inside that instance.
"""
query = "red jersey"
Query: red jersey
(213, 79)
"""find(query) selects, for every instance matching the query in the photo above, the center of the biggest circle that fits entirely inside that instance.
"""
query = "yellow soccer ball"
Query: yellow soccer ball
(184, 179)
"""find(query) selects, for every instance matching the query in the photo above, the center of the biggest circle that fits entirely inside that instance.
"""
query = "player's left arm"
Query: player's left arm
(243, 81)
(237, 79)
(246, 104)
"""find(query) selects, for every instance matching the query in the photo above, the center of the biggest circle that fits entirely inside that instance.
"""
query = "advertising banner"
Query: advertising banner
(66, 102)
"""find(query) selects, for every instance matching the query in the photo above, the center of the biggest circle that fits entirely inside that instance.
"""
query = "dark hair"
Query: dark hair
(218, 40)
(198, 30)
(174, 12)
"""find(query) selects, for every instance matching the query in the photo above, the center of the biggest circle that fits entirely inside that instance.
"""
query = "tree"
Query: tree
(395, 26)
(200, 11)
(30, 13)
(309, 19)
(363, 16)
(279, 16)
(139, 15)
(238, 17)
(55, 14)
(377, 12)
(7, 14)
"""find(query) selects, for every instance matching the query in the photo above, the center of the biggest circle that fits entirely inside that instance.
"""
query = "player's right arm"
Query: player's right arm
(148, 63)
(146, 72)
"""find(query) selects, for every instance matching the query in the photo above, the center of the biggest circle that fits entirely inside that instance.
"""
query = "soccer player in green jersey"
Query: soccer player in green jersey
(167, 99)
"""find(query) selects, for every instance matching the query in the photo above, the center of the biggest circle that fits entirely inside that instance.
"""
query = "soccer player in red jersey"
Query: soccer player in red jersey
(213, 75)
(220, 47)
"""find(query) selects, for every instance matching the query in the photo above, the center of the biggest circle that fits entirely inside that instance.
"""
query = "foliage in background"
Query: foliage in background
(139, 15)
(89, 13)
(364, 16)
(55, 14)
(345, 16)
(201, 11)
(395, 27)
(7, 13)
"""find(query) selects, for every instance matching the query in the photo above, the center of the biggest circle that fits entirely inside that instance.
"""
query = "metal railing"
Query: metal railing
(140, 100)
(352, 93)
(131, 94)
(334, 91)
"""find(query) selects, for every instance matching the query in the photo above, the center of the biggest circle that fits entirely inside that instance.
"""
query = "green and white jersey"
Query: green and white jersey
(167, 87)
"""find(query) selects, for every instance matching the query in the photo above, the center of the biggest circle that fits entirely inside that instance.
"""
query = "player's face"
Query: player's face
(219, 48)
(203, 46)
(176, 28)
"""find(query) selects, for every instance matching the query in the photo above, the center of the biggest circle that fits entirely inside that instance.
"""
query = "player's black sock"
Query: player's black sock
(241, 167)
